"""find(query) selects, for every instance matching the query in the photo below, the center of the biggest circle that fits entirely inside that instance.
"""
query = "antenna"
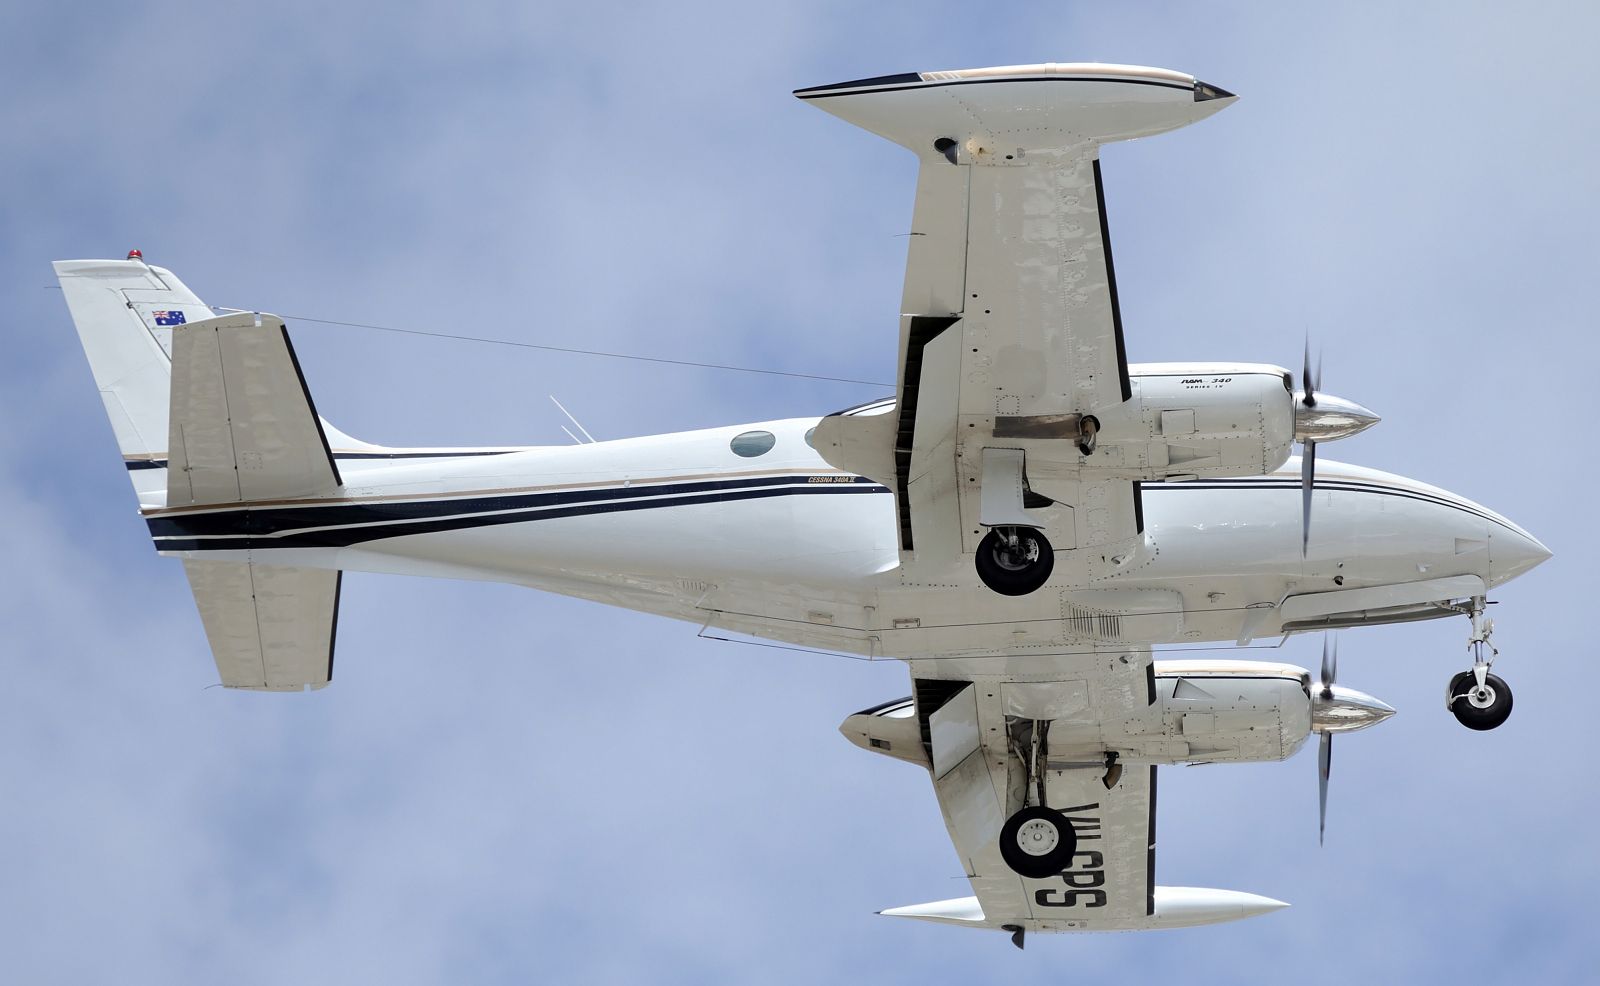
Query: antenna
(570, 418)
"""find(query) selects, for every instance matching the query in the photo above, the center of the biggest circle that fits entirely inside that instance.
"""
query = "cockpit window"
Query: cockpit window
(753, 443)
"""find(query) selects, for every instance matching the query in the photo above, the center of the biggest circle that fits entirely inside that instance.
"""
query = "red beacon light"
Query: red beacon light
(135, 254)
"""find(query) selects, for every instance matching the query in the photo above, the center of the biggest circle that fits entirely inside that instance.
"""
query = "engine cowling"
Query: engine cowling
(1193, 420)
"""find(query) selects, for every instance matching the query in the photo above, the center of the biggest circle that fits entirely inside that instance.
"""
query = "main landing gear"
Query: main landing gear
(1478, 699)
(1036, 841)
(1015, 561)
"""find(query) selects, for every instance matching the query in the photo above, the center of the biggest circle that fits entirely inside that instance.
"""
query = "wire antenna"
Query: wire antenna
(576, 352)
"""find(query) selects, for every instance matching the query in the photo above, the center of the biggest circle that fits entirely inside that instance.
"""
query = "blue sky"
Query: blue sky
(508, 787)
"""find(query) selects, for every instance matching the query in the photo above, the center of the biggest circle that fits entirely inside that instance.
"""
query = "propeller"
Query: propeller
(1320, 417)
(1330, 669)
(1336, 709)
(1309, 385)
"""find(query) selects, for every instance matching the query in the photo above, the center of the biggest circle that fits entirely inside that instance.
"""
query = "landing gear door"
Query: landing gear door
(953, 731)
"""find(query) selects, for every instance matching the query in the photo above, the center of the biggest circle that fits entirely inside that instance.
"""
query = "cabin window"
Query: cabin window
(811, 437)
(753, 443)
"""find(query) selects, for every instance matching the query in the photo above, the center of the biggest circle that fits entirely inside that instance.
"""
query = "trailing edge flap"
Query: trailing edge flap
(271, 628)
(242, 424)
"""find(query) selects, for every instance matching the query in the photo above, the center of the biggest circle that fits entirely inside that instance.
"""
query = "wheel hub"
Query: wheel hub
(1037, 837)
(1481, 698)
(1017, 553)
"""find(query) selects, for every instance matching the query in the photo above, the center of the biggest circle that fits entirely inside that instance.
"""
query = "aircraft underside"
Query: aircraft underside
(1025, 522)
(1218, 562)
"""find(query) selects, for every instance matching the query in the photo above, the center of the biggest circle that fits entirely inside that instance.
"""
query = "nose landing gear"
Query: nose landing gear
(1478, 699)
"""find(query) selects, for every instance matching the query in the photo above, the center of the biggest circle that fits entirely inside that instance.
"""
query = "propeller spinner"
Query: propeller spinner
(1336, 709)
(1320, 417)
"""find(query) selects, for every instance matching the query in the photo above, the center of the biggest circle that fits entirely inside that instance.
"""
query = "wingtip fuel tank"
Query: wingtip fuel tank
(1175, 907)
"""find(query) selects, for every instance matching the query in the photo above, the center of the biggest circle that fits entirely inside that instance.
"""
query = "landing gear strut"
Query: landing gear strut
(1015, 561)
(1478, 699)
(1037, 841)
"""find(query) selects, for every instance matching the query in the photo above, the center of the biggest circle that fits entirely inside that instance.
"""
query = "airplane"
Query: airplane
(1022, 523)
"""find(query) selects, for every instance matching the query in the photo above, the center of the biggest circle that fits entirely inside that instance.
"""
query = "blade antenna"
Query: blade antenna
(570, 418)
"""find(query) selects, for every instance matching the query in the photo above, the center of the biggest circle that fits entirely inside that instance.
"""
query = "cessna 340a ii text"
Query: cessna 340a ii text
(1020, 523)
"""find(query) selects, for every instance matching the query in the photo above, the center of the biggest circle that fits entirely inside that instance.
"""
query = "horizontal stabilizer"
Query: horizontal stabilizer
(243, 427)
(271, 628)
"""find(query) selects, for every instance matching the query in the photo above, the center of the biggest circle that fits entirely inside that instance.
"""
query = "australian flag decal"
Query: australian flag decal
(168, 318)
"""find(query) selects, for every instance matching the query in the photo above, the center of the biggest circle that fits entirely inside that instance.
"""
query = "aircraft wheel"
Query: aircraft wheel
(1038, 842)
(1015, 568)
(1480, 709)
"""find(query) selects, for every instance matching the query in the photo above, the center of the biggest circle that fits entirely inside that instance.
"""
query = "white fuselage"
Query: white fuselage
(784, 546)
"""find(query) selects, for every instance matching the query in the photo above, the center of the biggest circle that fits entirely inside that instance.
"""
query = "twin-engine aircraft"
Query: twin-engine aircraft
(1021, 523)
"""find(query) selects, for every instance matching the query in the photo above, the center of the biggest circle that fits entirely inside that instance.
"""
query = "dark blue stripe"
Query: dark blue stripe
(345, 536)
(274, 519)
(133, 464)
(901, 78)
(824, 92)
(1333, 485)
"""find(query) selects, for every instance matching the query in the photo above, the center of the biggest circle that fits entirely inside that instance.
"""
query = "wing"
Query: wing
(979, 729)
(1010, 335)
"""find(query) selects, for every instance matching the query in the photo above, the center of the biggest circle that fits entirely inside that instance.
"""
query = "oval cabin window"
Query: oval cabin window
(753, 443)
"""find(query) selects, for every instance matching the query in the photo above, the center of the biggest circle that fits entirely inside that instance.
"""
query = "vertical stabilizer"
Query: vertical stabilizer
(125, 311)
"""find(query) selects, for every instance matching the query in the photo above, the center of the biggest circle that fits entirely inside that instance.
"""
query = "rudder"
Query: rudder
(124, 311)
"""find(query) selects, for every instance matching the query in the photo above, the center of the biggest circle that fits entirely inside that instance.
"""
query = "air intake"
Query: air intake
(1081, 622)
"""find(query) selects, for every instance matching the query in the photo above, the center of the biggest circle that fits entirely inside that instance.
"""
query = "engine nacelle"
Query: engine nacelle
(1193, 420)
(1243, 711)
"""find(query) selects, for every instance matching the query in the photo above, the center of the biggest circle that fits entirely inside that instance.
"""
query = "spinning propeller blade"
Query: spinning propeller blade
(1308, 479)
(1324, 764)
(1336, 709)
(1330, 672)
(1309, 384)
(1330, 665)
(1320, 417)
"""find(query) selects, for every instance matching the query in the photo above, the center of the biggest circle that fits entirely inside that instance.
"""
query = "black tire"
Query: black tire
(1480, 717)
(1015, 573)
(1049, 839)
